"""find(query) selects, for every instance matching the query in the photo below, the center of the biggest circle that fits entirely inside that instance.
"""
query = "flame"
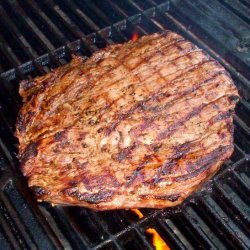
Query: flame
(157, 241)
(134, 36)
(137, 212)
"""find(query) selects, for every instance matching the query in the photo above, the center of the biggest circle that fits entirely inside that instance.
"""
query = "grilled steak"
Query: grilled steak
(139, 124)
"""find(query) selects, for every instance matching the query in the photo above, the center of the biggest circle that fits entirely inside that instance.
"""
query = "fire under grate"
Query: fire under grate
(37, 36)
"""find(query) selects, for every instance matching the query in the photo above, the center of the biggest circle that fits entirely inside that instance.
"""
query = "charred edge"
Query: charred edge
(172, 198)
(29, 116)
(206, 163)
(26, 85)
(29, 152)
(234, 98)
(95, 198)
(23, 120)
(164, 33)
(39, 191)
(221, 116)
(20, 124)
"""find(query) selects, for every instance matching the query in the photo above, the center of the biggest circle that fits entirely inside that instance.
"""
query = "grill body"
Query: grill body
(37, 36)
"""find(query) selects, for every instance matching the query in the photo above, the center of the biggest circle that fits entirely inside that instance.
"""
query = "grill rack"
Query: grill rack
(215, 217)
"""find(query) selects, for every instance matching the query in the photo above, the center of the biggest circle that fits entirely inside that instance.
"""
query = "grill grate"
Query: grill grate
(37, 36)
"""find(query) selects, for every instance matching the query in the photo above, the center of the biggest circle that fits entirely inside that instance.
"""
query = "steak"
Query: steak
(139, 124)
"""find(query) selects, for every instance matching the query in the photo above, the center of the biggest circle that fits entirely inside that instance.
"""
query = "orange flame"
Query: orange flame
(134, 36)
(137, 212)
(157, 241)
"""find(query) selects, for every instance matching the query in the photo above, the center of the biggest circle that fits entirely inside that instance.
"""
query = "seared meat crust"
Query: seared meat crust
(139, 124)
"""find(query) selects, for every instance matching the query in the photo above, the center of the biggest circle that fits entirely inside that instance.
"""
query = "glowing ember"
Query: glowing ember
(137, 212)
(134, 36)
(157, 241)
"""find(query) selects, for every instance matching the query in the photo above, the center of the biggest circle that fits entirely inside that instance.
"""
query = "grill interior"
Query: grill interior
(37, 36)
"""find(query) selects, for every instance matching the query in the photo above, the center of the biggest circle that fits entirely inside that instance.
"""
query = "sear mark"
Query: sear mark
(172, 198)
(93, 198)
(59, 135)
(29, 152)
(39, 191)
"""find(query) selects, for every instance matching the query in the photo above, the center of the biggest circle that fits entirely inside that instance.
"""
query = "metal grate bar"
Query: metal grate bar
(240, 209)
(202, 230)
(26, 52)
(245, 2)
(10, 231)
(49, 29)
(75, 236)
(177, 238)
(24, 239)
(86, 23)
(94, 13)
(26, 26)
(225, 224)
(238, 8)
(9, 56)
(63, 23)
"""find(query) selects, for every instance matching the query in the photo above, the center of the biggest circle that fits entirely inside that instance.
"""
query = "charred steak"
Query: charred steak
(139, 124)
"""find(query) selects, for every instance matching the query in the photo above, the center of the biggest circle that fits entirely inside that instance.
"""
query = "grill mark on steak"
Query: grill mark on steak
(179, 152)
(45, 84)
(137, 172)
(59, 135)
(123, 154)
(221, 116)
(163, 87)
(39, 191)
(56, 72)
(132, 112)
(29, 152)
(140, 104)
(158, 109)
(122, 63)
(172, 198)
(92, 198)
(172, 128)
(206, 163)
(92, 181)
(153, 55)
(113, 103)
(182, 94)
